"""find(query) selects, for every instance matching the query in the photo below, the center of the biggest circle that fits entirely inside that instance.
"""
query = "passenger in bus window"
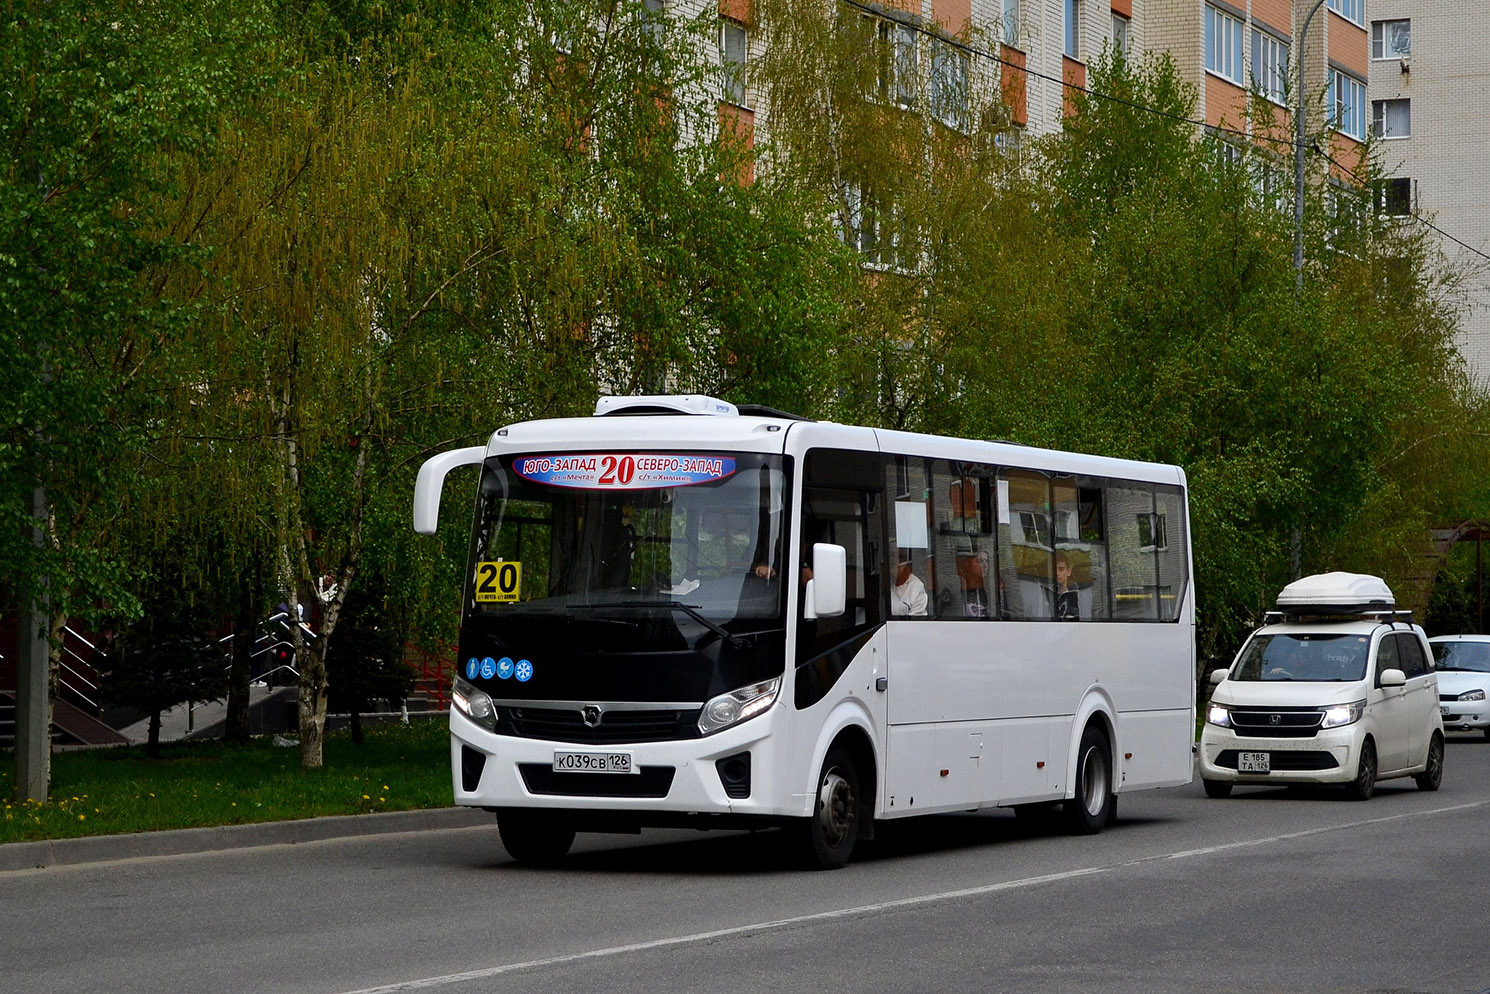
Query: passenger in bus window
(908, 596)
(1067, 603)
(972, 569)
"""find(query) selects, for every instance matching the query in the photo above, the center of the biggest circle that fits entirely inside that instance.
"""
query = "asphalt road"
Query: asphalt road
(1269, 890)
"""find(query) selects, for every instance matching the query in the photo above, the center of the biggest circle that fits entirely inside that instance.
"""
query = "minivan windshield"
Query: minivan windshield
(1472, 657)
(1304, 657)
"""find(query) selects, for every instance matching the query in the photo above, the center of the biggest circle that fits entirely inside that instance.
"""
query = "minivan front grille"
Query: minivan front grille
(1276, 723)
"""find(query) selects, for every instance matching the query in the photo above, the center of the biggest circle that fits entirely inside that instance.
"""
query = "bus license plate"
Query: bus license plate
(592, 762)
(1253, 762)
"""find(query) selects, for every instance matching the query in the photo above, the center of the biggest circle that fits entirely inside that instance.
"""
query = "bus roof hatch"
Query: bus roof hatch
(665, 404)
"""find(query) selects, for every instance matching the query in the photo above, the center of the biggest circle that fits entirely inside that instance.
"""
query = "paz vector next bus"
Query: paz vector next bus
(680, 612)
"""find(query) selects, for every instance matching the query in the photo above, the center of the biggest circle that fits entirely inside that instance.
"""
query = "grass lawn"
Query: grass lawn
(111, 791)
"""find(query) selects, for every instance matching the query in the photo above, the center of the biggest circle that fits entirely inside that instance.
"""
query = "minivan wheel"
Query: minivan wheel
(1216, 788)
(1364, 784)
(1432, 774)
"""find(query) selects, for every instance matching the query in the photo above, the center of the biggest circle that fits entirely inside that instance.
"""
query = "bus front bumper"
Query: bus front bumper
(670, 780)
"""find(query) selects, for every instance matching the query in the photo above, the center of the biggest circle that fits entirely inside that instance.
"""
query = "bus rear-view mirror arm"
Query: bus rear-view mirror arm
(431, 481)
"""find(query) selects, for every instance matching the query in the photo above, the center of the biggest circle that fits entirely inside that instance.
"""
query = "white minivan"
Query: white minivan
(1337, 687)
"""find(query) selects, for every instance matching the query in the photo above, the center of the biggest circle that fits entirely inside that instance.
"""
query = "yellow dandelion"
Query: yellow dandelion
(385, 786)
(366, 798)
(382, 799)
(82, 817)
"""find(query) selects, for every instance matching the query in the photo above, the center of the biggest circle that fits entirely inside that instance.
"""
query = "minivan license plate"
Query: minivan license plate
(1253, 762)
(592, 762)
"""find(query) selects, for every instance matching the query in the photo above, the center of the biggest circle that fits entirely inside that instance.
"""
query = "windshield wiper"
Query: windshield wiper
(690, 609)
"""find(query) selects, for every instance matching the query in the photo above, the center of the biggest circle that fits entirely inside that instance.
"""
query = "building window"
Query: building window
(896, 59)
(1011, 23)
(734, 48)
(1394, 196)
(1073, 28)
(1269, 65)
(1120, 33)
(1351, 10)
(949, 71)
(1391, 39)
(1348, 105)
(1223, 44)
(1391, 118)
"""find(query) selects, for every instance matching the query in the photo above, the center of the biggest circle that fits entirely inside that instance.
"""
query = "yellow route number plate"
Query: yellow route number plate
(498, 581)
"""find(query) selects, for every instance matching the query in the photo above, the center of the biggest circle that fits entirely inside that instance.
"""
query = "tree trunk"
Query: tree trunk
(312, 711)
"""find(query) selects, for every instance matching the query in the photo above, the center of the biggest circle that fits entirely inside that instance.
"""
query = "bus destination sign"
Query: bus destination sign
(633, 471)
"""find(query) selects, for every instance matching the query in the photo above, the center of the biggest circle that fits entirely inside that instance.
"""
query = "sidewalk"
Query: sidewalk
(103, 848)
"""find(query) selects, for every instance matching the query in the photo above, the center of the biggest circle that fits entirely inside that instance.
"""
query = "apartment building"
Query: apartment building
(1430, 70)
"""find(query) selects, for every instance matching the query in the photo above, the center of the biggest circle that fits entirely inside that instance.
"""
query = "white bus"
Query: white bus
(678, 612)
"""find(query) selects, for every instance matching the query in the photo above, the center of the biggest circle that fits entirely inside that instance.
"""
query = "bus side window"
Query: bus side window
(1169, 556)
(909, 481)
(1026, 545)
(1136, 532)
(963, 545)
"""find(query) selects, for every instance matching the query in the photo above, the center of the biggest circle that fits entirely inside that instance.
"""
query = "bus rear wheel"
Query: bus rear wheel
(534, 838)
(834, 826)
(1092, 802)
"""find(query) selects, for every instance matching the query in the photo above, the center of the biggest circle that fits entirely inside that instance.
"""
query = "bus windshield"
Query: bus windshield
(699, 537)
(1304, 657)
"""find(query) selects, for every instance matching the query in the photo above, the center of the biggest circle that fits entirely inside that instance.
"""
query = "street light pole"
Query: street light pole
(1298, 157)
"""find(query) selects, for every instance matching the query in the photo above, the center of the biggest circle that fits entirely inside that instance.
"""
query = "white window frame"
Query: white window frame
(1270, 65)
(1348, 105)
(1380, 35)
(1353, 11)
(1381, 199)
(1011, 23)
(734, 40)
(1120, 26)
(1223, 45)
(1382, 118)
(951, 66)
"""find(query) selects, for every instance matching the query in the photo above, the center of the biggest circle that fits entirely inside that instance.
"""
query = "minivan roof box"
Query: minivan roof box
(1336, 594)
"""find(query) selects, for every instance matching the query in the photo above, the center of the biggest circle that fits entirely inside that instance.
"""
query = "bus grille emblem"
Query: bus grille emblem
(591, 715)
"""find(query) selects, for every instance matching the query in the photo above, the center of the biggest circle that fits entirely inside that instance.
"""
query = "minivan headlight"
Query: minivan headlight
(738, 705)
(474, 703)
(1343, 714)
(1472, 695)
(1218, 714)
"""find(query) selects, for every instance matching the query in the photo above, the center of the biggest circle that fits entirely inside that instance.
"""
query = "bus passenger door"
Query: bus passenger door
(842, 658)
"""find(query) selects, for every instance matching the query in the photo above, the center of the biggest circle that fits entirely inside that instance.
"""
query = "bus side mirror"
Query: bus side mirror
(432, 479)
(827, 591)
(1217, 676)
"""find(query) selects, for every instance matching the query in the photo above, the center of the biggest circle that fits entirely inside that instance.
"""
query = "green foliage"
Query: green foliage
(199, 784)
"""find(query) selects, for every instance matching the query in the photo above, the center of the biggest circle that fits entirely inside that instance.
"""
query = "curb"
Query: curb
(180, 842)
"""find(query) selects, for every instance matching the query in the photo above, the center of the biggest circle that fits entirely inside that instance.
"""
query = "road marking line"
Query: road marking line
(427, 983)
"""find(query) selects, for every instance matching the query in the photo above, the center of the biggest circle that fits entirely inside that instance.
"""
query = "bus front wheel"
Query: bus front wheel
(534, 838)
(834, 826)
(1092, 802)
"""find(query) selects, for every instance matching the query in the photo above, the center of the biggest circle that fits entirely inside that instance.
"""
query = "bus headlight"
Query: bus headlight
(1472, 695)
(1218, 714)
(738, 705)
(474, 704)
(1343, 714)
